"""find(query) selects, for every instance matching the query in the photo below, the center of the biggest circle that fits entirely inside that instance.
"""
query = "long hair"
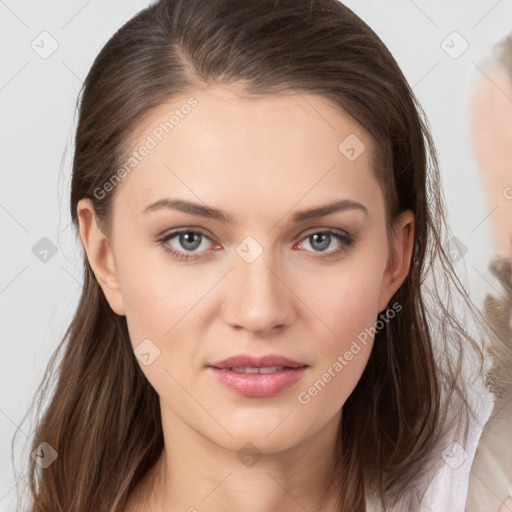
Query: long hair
(103, 417)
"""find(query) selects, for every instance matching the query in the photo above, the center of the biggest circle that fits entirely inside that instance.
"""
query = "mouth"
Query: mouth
(263, 370)
(272, 362)
(257, 377)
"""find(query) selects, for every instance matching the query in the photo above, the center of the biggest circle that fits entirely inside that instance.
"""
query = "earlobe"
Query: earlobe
(99, 254)
(400, 260)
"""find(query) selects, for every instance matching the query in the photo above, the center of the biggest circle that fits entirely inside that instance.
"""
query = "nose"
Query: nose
(257, 297)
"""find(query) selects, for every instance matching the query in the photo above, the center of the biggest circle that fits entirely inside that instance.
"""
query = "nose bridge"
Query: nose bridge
(256, 299)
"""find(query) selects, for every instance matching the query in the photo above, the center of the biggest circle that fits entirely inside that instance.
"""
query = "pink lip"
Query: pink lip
(254, 384)
(257, 362)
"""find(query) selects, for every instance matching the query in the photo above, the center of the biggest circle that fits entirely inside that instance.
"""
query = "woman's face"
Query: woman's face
(258, 281)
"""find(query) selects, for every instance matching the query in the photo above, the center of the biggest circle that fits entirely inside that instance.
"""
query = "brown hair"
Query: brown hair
(103, 418)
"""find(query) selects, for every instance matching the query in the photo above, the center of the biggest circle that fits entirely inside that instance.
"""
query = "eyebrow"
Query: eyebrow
(214, 213)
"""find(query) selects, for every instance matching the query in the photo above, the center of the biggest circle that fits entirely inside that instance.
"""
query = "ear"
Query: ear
(400, 258)
(100, 255)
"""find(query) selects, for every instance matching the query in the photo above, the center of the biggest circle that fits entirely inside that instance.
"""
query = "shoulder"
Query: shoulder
(448, 488)
(445, 486)
(490, 485)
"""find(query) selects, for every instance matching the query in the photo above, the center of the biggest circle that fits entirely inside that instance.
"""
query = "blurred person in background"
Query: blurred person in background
(490, 487)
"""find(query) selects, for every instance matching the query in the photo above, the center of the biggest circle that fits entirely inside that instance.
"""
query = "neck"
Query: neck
(194, 474)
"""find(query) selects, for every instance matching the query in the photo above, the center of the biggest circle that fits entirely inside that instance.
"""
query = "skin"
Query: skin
(260, 160)
(491, 132)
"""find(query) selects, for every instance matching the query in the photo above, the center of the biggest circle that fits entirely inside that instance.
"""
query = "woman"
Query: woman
(257, 197)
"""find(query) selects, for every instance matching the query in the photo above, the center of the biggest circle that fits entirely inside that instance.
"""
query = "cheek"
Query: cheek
(157, 294)
(161, 302)
(346, 305)
(349, 309)
(345, 300)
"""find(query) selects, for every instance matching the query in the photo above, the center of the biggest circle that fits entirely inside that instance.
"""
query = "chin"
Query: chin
(267, 436)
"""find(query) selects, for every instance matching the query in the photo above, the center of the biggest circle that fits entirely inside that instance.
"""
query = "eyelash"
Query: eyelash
(346, 239)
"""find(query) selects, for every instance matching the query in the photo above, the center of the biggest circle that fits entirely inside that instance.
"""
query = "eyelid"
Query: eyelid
(325, 229)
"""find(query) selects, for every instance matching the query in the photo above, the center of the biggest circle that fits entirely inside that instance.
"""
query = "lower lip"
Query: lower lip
(257, 384)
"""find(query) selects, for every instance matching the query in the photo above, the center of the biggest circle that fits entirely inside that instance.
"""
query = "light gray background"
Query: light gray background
(37, 101)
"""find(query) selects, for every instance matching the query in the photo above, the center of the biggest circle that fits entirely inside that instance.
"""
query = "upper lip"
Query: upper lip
(246, 360)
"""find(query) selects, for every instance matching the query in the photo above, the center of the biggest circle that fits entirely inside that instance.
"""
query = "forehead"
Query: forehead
(217, 143)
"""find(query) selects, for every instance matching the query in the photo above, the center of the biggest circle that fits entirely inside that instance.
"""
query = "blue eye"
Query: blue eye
(188, 239)
(320, 241)
(193, 243)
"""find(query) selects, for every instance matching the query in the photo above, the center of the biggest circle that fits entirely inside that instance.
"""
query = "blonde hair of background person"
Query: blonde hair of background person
(261, 109)
(491, 474)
